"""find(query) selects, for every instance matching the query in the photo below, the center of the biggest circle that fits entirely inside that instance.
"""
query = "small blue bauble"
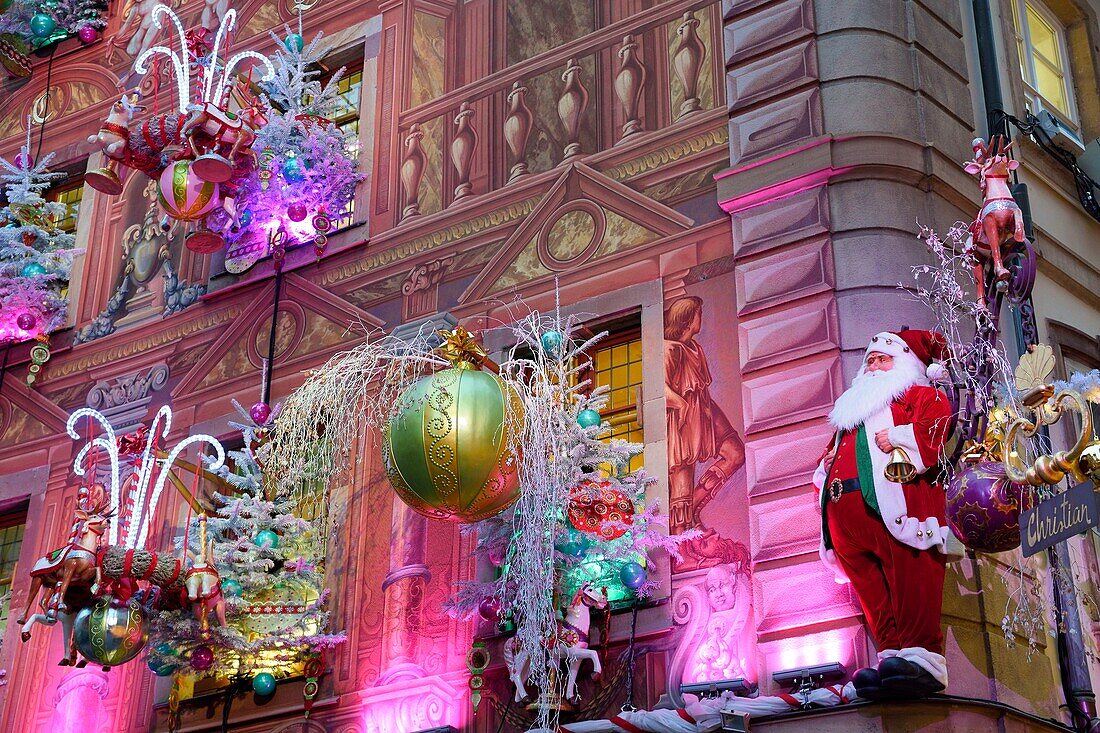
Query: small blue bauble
(293, 170)
(42, 25)
(245, 218)
(33, 269)
(266, 539)
(263, 683)
(575, 545)
(588, 418)
(231, 587)
(294, 43)
(633, 575)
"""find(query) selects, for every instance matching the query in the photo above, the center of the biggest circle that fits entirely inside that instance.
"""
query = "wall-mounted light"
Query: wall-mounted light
(817, 673)
(713, 688)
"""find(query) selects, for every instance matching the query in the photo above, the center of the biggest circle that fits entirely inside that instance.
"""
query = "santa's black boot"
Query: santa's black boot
(903, 680)
(868, 684)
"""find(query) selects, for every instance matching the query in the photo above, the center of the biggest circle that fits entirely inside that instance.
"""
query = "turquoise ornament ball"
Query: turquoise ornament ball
(294, 43)
(551, 342)
(160, 669)
(588, 418)
(263, 683)
(266, 539)
(231, 587)
(293, 170)
(42, 25)
(33, 269)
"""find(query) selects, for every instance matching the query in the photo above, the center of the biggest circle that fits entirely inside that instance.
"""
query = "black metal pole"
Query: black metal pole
(265, 390)
(628, 706)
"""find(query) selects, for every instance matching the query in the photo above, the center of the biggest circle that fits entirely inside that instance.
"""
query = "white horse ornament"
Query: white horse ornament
(569, 643)
(204, 585)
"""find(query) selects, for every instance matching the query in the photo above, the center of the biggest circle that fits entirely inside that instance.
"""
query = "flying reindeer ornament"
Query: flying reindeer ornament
(1000, 222)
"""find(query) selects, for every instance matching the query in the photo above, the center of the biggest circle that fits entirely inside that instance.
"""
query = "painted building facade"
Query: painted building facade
(731, 189)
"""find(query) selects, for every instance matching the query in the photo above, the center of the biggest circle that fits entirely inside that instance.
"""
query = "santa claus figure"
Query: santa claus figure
(888, 538)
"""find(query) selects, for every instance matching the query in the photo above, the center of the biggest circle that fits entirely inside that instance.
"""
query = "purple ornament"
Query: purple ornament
(296, 211)
(87, 34)
(259, 413)
(26, 321)
(202, 658)
(983, 507)
(496, 556)
(489, 608)
(22, 161)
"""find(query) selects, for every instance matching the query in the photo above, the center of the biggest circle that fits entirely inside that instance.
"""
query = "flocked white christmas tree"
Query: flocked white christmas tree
(36, 257)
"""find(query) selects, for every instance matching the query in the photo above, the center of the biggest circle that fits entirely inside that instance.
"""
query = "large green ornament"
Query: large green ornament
(110, 632)
(446, 450)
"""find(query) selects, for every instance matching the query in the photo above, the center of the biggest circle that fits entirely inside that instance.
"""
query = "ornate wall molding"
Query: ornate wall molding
(124, 401)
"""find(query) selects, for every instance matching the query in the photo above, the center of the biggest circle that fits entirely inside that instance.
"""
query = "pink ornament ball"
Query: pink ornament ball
(26, 321)
(496, 556)
(260, 412)
(489, 608)
(183, 195)
(296, 211)
(202, 658)
(87, 34)
(22, 161)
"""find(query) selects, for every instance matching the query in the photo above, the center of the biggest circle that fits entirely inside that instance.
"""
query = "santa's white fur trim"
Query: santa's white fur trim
(873, 392)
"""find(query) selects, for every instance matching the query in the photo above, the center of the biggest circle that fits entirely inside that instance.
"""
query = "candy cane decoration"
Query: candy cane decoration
(108, 444)
(180, 65)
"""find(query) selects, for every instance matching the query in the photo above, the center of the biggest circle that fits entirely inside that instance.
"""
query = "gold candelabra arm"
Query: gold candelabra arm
(1047, 469)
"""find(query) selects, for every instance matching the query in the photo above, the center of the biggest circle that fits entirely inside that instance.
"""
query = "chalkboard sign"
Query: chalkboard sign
(1060, 517)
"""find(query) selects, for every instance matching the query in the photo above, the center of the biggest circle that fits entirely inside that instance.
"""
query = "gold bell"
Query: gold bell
(105, 180)
(1090, 462)
(900, 469)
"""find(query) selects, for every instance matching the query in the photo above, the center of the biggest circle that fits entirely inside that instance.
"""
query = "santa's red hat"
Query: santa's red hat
(929, 348)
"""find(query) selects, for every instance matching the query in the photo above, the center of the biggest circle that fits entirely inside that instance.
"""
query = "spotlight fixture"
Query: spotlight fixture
(713, 688)
(735, 722)
(816, 673)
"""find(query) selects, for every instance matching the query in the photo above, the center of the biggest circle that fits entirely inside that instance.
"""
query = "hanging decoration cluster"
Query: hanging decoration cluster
(29, 25)
(261, 173)
(256, 594)
(515, 451)
(307, 169)
(36, 257)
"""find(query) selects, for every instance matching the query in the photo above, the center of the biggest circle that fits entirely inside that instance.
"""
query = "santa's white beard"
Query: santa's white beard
(872, 392)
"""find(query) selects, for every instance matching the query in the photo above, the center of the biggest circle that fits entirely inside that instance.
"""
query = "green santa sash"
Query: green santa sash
(866, 473)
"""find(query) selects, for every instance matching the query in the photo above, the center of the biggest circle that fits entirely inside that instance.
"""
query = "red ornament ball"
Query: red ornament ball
(592, 505)
(26, 321)
(296, 211)
(260, 412)
(489, 608)
(202, 658)
(87, 34)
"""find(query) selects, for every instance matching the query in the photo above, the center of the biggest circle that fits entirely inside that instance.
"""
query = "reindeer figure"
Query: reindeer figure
(1000, 221)
(204, 586)
(72, 571)
(223, 127)
(569, 643)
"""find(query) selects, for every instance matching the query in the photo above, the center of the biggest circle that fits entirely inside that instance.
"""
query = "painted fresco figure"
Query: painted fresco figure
(698, 430)
(891, 540)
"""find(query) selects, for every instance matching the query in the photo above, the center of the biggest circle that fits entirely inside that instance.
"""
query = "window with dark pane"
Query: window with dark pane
(11, 540)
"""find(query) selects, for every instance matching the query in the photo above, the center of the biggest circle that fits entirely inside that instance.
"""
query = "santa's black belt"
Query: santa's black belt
(838, 488)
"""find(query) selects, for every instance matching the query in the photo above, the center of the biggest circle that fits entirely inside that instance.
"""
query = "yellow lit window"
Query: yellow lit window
(1044, 60)
(11, 539)
(70, 195)
(346, 118)
(617, 364)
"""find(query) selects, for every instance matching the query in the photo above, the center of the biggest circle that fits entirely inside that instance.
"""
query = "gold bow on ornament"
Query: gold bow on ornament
(461, 349)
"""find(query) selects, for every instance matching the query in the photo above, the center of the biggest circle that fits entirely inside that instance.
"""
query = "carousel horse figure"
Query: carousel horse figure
(204, 586)
(569, 643)
(71, 571)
